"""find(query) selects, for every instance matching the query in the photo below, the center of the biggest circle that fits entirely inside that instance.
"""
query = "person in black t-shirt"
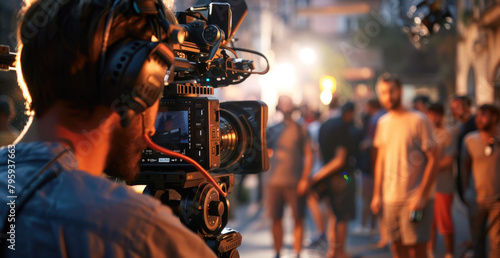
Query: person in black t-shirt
(334, 181)
(461, 110)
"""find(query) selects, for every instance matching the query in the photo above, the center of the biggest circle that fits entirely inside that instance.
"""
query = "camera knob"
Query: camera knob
(211, 34)
(177, 36)
(216, 208)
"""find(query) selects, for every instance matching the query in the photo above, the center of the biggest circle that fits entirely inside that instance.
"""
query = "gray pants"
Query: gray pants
(482, 216)
(399, 227)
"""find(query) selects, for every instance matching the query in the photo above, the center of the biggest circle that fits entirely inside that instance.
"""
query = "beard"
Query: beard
(123, 160)
(485, 127)
(393, 105)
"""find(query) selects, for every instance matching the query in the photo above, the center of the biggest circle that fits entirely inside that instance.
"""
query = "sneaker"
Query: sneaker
(361, 231)
(366, 231)
(358, 230)
(317, 240)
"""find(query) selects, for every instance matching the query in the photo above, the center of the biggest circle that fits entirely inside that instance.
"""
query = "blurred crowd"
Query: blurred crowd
(409, 163)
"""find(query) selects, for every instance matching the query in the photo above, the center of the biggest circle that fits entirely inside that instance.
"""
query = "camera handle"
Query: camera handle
(7, 59)
(209, 178)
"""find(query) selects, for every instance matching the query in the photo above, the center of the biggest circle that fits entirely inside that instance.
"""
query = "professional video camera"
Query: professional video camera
(225, 138)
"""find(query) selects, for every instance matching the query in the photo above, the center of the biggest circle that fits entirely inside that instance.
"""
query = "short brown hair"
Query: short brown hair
(59, 44)
(464, 99)
(374, 103)
(492, 109)
(389, 77)
(436, 108)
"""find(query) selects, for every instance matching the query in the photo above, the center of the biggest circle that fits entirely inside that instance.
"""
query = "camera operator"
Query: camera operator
(77, 136)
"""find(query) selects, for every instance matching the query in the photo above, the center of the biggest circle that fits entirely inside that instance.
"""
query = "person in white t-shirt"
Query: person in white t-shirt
(405, 170)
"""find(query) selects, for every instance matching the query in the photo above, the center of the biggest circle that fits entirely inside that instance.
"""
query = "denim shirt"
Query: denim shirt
(77, 214)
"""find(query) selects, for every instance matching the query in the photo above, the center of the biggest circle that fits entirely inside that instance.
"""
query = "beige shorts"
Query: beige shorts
(400, 228)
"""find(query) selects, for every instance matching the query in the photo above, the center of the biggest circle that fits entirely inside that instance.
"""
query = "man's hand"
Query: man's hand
(303, 186)
(376, 204)
(417, 203)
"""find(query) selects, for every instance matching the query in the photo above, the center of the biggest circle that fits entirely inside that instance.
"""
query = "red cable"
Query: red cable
(155, 147)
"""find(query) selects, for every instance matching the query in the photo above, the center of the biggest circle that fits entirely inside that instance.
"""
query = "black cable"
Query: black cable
(251, 52)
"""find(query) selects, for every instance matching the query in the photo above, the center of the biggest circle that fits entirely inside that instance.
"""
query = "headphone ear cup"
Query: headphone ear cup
(134, 73)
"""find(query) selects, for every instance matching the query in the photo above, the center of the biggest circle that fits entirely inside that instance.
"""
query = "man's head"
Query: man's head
(487, 117)
(347, 111)
(421, 103)
(435, 112)
(64, 67)
(373, 106)
(285, 106)
(7, 111)
(389, 91)
(460, 108)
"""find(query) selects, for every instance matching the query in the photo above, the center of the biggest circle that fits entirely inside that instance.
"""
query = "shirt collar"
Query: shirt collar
(46, 151)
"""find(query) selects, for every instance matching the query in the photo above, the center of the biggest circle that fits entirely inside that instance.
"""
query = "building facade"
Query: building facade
(478, 51)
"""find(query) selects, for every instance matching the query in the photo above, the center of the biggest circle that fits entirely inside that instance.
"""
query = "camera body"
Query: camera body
(229, 136)
(189, 126)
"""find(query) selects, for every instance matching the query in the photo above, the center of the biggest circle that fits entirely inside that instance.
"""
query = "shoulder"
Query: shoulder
(417, 116)
(471, 137)
(275, 125)
(419, 119)
(97, 194)
(117, 214)
(385, 117)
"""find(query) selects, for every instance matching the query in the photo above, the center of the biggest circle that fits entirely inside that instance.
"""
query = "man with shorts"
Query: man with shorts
(291, 161)
(405, 170)
(335, 179)
(444, 183)
(481, 178)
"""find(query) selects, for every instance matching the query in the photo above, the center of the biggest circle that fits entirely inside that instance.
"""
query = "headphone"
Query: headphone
(133, 71)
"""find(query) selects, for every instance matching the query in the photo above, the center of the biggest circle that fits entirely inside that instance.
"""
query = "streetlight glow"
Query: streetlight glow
(326, 97)
(307, 55)
(328, 83)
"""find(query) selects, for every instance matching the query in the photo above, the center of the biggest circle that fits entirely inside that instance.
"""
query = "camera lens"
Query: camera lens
(234, 138)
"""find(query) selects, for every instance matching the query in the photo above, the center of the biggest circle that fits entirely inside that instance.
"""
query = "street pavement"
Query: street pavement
(251, 221)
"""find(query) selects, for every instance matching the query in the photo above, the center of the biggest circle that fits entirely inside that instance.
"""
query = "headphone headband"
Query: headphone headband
(133, 71)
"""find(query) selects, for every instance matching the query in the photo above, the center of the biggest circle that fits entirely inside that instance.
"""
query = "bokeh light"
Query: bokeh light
(326, 97)
(307, 55)
(328, 83)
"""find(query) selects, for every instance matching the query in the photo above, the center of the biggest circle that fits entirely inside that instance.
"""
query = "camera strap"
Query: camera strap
(36, 182)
